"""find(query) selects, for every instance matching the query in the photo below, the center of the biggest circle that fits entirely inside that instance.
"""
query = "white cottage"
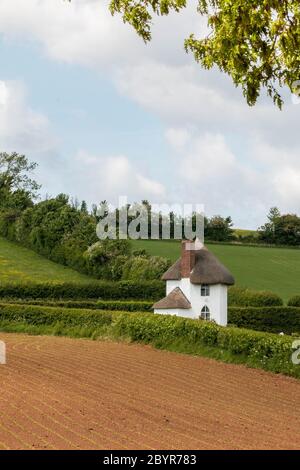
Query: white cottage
(196, 286)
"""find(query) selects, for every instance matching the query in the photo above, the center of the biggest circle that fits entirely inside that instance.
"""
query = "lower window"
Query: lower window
(205, 313)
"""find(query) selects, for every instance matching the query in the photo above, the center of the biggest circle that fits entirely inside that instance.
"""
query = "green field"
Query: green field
(260, 268)
(18, 264)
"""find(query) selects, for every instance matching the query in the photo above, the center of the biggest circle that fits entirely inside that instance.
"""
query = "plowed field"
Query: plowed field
(61, 393)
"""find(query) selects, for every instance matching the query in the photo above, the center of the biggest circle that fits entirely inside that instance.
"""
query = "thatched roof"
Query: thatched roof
(176, 299)
(173, 273)
(207, 270)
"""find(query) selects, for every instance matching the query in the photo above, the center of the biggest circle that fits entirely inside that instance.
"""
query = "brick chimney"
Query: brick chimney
(187, 257)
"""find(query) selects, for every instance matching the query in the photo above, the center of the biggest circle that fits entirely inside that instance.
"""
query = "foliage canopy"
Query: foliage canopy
(256, 42)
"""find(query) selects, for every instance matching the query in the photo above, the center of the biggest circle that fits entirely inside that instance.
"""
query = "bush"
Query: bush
(266, 350)
(36, 315)
(294, 301)
(149, 290)
(145, 267)
(120, 305)
(271, 319)
(240, 297)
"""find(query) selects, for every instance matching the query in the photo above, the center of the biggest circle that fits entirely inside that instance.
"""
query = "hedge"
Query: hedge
(294, 301)
(272, 319)
(123, 290)
(123, 305)
(148, 290)
(265, 350)
(37, 315)
(241, 297)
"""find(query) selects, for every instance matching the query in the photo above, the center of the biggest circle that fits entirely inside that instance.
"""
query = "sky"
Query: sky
(105, 115)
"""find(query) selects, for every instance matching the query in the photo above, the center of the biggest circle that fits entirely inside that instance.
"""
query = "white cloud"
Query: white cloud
(149, 187)
(207, 157)
(81, 32)
(95, 178)
(21, 128)
(178, 137)
(185, 95)
(283, 169)
(211, 173)
(84, 32)
(287, 184)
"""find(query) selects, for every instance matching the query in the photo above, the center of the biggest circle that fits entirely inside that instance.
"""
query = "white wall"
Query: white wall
(184, 285)
(216, 301)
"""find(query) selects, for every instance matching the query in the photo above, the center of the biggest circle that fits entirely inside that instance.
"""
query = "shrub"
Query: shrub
(238, 296)
(269, 351)
(294, 301)
(37, 315)
(123, 305)
(145, 267)
(271, 319)
(152, 290)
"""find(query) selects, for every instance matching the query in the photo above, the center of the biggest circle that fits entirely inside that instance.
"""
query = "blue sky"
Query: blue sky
(83, 106)
(104, 115)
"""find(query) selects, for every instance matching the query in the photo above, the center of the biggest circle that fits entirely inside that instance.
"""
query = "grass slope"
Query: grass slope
(260, 268)
(18, 264)
(275, 269)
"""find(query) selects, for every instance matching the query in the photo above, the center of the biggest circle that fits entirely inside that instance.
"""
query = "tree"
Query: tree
(17, 190)
(274, 214)
(218, 228)
(281, 229)
(267, 231)
(256, 42)
(83, 207)
(14, 174)
(287, 230)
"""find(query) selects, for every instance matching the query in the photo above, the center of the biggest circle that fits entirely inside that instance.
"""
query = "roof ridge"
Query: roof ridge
(179, 288)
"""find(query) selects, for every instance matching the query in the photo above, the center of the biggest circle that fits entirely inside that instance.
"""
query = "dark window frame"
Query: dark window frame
(205, 290)
(205, 313)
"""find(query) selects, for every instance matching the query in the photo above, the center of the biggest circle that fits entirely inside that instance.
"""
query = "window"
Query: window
(205, 313)
(204, 290)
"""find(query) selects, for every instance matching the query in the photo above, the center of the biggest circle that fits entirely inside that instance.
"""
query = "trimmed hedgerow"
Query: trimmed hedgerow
(265, 350)
(148, 290)
(271, 319)
(123, 305)
(294, 301)
(123, 290)
(37, 315)
(241, 297)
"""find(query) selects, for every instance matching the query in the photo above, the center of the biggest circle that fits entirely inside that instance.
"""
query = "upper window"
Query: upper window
(204, 290)
(205, 313)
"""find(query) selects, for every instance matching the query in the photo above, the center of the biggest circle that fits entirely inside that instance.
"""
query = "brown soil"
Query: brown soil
(61, 393)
